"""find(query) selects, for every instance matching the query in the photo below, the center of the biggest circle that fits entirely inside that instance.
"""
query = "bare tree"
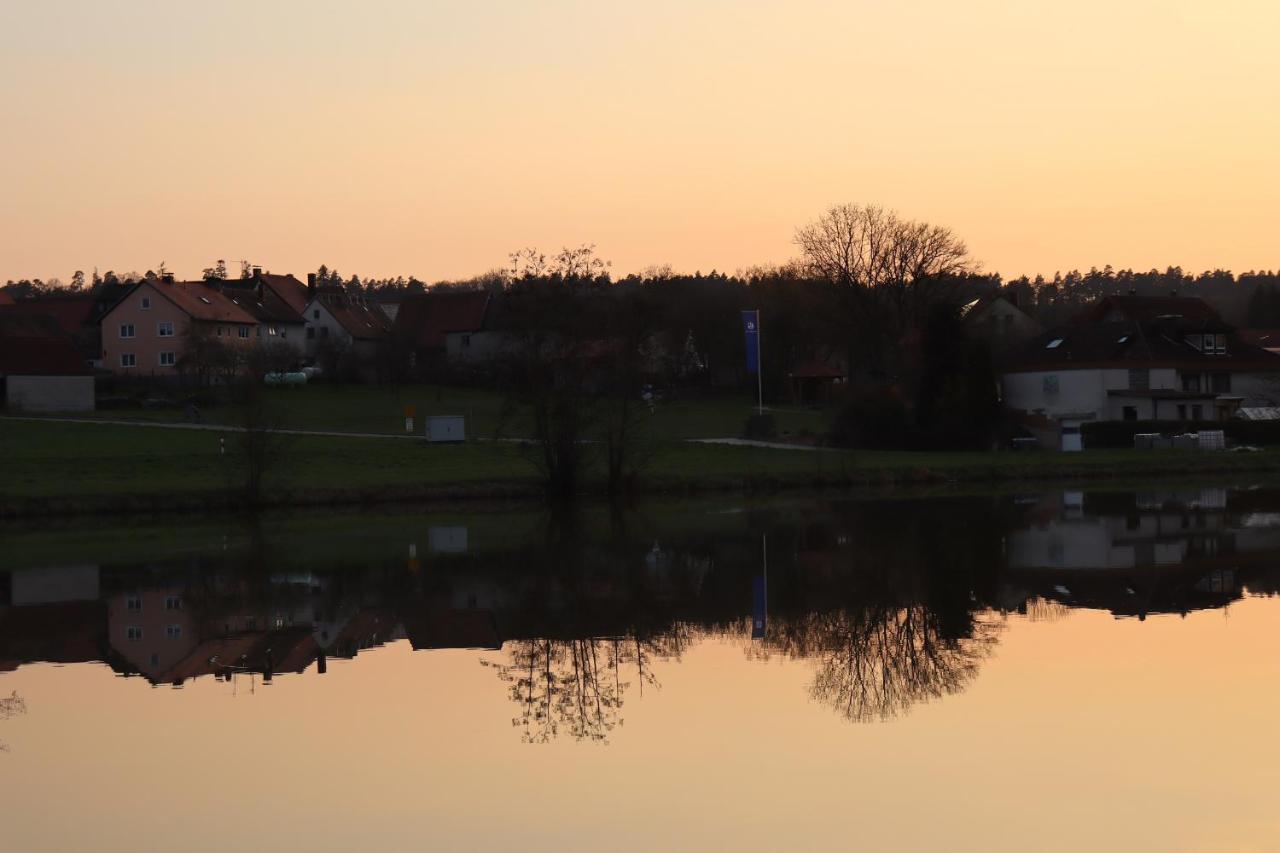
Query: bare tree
(11, 706)
(885, 270)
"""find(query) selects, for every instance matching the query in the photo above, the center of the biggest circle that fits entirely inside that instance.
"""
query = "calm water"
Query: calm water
(1057, 671)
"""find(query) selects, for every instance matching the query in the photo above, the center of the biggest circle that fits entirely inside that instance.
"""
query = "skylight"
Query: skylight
(1124, 339)
(1054, 344)
(205, 300)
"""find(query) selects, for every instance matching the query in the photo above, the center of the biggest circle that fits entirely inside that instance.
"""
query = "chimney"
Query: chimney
(311, 283)
(167, 278)
(257, 272)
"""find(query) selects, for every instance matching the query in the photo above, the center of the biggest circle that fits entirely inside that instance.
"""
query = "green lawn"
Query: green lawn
(373, 409)
(91, 463)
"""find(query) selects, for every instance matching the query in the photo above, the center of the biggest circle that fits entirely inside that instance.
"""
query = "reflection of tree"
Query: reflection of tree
(874, 663)
(11, 706)
(575, 687)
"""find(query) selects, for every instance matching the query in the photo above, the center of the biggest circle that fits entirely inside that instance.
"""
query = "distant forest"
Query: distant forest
(1248, 300)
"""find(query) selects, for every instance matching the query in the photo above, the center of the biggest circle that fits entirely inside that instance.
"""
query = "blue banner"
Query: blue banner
(751, 329)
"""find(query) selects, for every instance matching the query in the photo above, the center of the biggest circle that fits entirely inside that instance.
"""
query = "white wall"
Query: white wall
(1079, 392)
(481, 347)
(50, 393)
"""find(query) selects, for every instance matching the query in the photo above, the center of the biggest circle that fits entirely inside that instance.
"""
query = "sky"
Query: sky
(434, 138)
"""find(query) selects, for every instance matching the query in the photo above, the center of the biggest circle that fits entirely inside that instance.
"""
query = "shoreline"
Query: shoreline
(998, 472)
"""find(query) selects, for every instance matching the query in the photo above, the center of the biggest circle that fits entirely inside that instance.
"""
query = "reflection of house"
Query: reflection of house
(151, 629)
(1138, 358)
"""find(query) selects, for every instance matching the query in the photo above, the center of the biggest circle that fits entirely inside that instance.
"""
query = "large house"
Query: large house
(151, 328)
(339, 320)
(1138, 358)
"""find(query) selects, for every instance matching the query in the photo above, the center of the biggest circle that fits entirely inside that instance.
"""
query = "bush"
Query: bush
(876, 420)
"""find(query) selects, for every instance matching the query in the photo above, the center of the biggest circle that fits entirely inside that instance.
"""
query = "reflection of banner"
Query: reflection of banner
(751, 329)
(758, 607)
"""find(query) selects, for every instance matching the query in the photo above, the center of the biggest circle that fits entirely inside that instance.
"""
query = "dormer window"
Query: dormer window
(146, 303)
(1054, 344)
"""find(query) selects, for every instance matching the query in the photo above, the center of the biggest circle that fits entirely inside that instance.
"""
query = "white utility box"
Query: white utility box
(446, 428)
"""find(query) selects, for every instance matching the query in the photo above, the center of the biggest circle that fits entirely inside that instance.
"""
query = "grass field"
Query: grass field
(89, 467)
(373, 409)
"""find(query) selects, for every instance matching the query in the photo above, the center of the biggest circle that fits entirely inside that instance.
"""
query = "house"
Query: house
(997, 319)
(1137, 358)
(448, 328)
(71, 316)
(44, 374)
(153, 326)
(338, 320)
(276, 302)
(816, 382)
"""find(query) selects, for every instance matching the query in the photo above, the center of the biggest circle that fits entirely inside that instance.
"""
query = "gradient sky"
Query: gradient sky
(433, 138)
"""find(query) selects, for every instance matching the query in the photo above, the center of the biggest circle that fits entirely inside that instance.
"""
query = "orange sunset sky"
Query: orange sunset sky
(433, 138)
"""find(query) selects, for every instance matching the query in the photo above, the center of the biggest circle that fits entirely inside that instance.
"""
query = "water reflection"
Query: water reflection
(892, 603)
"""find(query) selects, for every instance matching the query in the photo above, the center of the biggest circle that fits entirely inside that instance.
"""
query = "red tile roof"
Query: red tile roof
(71, 313)
(202, 301)
(291, 291)
(1147, 309)
(5, 299)
(40, 357)
(426, 319)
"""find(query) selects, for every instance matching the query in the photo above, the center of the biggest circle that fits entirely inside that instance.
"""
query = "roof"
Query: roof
(71, 312)
(817, 370)
(1148, 309)
(266, 305)
(40, 356)
(1265, 338)
(427, 318)
(1130, 344)
(202, 301)
(360, 320)
(5, 299)
(291, 291)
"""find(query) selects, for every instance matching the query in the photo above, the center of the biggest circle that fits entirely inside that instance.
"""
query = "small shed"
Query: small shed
(816, 382)
(44, 374)
(446, 428)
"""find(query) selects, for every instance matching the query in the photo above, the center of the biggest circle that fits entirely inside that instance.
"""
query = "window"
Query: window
(133, 632)
(205, 300)
(1139, 379)
(311, 333)
(165, 330)
(324, 331)
(173, 632)
(1220, 383)
(126, 330)
(315, 315)
(133, 602)
(1182, 412)
(1051, 385)
(1130, 413)
(128, 359)
(1124, 339)
(1197, 413)
(271, 330)
(172, 602)
(219, 331)
(466, 341)
(168, 359)
(1191, 383)
(1054, 344)
(257, 332)
(146, 303)
(244, 331)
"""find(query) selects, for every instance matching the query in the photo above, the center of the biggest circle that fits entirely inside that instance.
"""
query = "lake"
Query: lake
(1044, 671)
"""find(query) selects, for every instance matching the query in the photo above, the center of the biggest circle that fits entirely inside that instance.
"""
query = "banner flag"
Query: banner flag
(751, 329)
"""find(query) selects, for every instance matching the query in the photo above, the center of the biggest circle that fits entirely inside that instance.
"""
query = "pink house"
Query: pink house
(147, 331)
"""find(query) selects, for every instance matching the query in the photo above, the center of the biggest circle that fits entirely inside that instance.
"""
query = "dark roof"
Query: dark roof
(71, 312)
(1129, 344)
(43, 356)
(5, 299)
(425, 319)
(264, 302)
(1148, 309)
(817, 370)
(1265, 338)
(361, 320)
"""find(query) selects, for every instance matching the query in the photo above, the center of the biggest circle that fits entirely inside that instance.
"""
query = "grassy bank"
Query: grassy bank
(83, 468)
